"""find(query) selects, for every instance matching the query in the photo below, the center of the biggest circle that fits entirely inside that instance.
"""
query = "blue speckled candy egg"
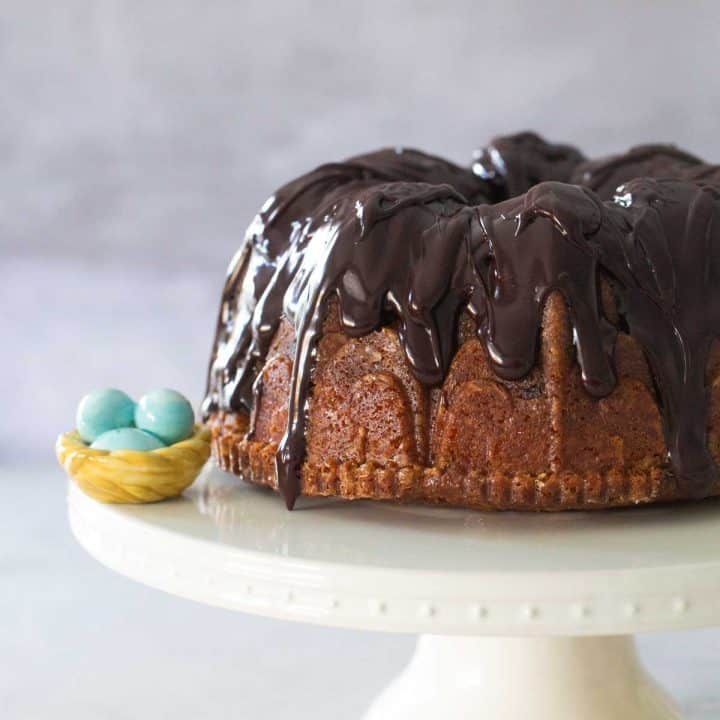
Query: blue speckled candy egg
(166, 414)
(127, 439)
(103, 410)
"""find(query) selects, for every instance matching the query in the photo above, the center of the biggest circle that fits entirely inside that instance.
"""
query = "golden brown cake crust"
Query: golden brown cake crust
(255, 462)
(541, 443)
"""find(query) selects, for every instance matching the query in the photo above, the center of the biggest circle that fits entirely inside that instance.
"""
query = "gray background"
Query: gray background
(137, 139)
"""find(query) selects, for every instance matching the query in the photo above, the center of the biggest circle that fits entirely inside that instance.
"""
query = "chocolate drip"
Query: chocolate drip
(666, 267)
(273, 251)
(424, 251)
(514, 163)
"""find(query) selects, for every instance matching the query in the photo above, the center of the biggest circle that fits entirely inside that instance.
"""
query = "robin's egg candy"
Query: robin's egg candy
(104, 410)
(166, 414)
(127, 439)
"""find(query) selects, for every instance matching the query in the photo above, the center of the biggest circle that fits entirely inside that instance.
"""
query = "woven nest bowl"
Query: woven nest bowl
(133, 476)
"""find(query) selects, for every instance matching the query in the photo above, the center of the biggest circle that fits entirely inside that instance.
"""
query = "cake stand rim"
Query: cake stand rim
(594, 602)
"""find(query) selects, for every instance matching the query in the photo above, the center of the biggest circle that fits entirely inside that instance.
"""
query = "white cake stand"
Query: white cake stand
(520, 616)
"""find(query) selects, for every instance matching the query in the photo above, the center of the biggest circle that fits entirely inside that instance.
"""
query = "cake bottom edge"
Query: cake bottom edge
(254, 462)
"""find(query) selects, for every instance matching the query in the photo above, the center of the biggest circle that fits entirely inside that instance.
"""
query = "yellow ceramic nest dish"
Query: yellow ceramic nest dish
(134, 476)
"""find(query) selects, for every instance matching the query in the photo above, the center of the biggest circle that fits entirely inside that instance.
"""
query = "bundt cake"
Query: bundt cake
(504, 337)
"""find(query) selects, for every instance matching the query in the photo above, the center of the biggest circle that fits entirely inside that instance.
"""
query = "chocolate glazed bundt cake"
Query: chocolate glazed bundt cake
(397, 327)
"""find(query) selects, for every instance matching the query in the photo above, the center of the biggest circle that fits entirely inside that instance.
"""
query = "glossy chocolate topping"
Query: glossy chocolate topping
(274, 253)
(605, 175)
(410, 236)
(514, 163)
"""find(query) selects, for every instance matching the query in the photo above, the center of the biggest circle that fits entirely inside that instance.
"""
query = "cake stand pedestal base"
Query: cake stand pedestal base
(523, 678)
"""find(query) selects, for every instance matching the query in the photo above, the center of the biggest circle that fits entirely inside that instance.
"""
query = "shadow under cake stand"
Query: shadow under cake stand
(520, 616)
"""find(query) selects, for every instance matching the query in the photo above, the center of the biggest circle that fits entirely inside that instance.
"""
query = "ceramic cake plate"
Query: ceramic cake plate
(520, 616)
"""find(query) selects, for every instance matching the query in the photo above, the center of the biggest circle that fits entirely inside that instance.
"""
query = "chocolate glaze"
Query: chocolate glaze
(273, 251)
(426, 249)
(514, 163)
(605, 175)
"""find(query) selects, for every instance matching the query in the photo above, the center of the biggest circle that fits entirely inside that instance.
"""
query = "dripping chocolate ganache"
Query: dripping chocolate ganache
(398, 327)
